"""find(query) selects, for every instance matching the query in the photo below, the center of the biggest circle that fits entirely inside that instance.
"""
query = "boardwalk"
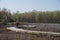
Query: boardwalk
(31, 31)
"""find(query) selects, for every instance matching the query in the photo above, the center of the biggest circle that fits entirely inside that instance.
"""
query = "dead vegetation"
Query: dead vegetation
(11, 35)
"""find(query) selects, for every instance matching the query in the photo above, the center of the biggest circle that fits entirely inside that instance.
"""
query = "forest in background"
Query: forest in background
(29, 17)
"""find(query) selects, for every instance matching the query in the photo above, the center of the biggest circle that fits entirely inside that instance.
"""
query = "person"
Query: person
(17, 24)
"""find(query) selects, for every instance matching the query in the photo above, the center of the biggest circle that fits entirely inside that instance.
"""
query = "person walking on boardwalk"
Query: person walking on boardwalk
(17, 24)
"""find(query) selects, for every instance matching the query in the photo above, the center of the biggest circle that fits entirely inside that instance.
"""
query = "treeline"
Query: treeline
(31, 17)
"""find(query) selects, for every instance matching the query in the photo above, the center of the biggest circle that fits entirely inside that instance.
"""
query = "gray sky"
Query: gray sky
(29, 5)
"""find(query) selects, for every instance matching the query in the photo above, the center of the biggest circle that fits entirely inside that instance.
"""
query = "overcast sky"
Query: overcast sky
(29, 5)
